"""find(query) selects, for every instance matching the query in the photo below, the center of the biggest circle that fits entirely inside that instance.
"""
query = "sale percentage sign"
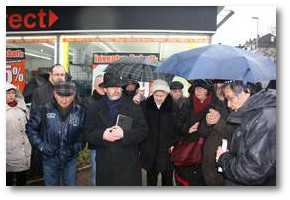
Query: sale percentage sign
(16, 72)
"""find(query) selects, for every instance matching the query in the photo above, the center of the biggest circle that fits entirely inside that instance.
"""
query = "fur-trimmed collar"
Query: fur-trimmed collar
(165, 107)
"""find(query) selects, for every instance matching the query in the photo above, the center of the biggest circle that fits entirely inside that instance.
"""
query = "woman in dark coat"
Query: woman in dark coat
(159, 112)
(191, 126)
(118, 161)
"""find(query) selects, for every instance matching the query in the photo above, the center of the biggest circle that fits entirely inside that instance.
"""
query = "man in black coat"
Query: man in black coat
(44, 93)
(251, 158)
(98, 94)
(117, 145)
(38, 81)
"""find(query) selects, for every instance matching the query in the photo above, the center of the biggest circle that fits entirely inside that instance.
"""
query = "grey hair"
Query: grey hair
(238, 87)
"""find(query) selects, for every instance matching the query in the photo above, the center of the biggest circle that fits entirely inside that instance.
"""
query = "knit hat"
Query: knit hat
(10, 86)
(160, 85)
(65, 88)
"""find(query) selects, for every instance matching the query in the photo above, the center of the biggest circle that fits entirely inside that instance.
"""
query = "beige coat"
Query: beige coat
(18, 148)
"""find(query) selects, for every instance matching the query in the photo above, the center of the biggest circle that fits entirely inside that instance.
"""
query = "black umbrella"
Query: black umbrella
(139, 69)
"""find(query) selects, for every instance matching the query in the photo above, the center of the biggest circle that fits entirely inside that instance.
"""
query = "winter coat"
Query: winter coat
(251, 159)
(30, 87)
(42, 95)
(154, 150)
(86, 102)
(181, 101)
(18, 148)
(213, 138)
(91, 99)
(118, 162)
(54, 136)
(188, 118)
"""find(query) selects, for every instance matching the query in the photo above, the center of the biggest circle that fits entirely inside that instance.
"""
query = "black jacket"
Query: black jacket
(188, 117)
(154, 150)
(42, 95)
(213, 136)
(30, 87)
(252, 152)
(87, 101)
(91, 99)
(118, 162)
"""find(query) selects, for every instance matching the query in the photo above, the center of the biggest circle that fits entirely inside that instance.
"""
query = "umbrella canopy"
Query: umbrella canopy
(139, 69)
(220, 62)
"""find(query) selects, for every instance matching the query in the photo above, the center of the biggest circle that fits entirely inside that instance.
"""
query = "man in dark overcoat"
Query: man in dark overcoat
(118, 162)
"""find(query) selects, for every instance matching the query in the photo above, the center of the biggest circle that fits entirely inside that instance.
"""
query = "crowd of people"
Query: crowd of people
(127, 132)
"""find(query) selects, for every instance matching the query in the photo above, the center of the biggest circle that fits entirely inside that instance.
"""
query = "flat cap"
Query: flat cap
(176, 85)
(65, 88)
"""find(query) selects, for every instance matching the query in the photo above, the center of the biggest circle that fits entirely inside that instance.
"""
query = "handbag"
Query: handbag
(187, 154)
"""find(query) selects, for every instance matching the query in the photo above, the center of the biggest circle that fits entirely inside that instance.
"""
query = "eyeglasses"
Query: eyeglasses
(61, 75)
(10, 92)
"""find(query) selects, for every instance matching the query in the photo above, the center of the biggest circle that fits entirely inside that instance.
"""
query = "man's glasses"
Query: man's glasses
(61, 75)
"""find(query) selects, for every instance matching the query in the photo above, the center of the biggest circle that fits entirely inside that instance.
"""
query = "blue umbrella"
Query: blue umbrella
(219, 62)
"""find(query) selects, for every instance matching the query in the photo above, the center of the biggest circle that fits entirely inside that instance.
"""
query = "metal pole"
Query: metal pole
(257, 40)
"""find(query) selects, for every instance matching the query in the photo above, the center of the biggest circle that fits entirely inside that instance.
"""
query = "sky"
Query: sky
(240, 27)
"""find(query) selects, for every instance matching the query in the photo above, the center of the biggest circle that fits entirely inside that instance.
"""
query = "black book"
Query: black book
(125, 122)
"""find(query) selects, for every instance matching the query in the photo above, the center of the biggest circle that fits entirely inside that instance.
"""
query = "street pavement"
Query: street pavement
(84, 178)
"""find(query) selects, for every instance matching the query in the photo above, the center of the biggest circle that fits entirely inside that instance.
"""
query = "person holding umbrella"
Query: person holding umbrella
(132, 91)
(251, 156)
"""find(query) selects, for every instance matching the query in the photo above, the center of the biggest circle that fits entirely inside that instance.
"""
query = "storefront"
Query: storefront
(73, 35)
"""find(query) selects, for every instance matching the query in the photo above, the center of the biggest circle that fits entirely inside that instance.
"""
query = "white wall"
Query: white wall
(35, 63)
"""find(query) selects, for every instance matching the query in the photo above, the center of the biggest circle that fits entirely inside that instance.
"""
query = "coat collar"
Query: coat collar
(165, 107)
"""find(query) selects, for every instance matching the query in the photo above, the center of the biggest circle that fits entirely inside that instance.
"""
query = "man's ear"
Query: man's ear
(54, 94)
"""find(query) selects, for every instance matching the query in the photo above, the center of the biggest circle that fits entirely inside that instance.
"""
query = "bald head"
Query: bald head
(57, 74)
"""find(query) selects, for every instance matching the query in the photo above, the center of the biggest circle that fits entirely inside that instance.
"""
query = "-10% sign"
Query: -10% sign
(13, 71)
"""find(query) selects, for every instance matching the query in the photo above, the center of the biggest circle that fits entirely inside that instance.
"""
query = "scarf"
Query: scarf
(113, 108)
(198, 106)
(64, 111)
(12, 104)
